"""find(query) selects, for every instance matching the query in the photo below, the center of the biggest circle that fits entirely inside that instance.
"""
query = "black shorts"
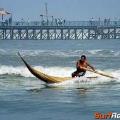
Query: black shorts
(78, 72)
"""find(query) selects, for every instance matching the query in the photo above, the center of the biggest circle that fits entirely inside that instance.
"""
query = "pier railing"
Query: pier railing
(61, 23)
(59, 30)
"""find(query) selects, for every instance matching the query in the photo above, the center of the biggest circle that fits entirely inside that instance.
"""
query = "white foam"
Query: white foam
(15, 70)
(59, 71)
(56, 71)
(94, 51)
(23, 71)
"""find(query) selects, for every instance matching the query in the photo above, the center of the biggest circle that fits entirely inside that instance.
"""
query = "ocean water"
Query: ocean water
(24, 97)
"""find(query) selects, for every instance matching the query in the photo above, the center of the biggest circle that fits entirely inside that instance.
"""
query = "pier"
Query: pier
(59, 30)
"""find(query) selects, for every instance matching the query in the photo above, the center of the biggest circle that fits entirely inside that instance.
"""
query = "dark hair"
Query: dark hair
(83, 56)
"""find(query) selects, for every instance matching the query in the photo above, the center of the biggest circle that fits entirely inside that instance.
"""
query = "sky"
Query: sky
(66, 9)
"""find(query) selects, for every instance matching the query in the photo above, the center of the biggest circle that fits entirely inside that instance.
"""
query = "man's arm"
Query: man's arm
(91, 66)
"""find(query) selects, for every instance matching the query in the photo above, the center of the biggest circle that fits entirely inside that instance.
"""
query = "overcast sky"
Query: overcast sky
(67, 9)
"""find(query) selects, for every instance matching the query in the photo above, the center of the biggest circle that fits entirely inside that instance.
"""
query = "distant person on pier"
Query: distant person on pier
(81, 67)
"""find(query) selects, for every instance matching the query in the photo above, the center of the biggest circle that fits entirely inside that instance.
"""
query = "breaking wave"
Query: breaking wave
(55, 71)
(28, 81)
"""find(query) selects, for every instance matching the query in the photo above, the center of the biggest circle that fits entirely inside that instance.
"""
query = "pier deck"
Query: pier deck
(67, 30)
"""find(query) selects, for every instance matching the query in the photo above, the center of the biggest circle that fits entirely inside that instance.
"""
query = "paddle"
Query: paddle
(103, 74)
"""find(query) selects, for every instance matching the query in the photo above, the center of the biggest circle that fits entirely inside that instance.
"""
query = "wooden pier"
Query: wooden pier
(69, 30)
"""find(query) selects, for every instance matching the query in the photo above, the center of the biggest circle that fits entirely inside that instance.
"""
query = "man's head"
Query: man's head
(83, 58)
